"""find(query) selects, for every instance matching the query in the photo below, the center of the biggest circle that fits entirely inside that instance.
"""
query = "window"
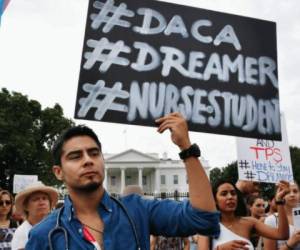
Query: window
(113, 180)
(175, 179)
(163, 180)
(144, 180)
(129, 180)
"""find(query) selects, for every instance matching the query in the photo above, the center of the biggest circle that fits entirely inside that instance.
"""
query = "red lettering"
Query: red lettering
(257, 149)
(268, 153)
(278, 156)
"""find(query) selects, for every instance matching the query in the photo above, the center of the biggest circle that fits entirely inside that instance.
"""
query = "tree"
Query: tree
(228, 173)
(27, 133)
(295, 158)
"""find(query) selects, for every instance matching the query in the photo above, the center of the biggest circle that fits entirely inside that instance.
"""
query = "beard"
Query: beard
(88, 188)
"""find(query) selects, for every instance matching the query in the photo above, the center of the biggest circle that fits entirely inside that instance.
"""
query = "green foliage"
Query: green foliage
(295, 157)
(229, 173)
(27, 133)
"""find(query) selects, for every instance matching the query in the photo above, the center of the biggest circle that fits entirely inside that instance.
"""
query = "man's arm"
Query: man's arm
(200, 193)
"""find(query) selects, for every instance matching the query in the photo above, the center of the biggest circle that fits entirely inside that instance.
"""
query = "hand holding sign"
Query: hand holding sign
(283, 188)
(178, 127)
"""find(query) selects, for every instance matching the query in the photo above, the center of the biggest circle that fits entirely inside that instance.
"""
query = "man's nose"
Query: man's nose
(87, 158)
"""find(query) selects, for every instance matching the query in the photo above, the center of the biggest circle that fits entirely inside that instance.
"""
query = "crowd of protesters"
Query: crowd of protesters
(226, 216)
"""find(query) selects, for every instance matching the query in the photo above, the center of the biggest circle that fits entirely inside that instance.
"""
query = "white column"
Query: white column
(122, 179)
(141, 177)
(157, 181)
(105, 179)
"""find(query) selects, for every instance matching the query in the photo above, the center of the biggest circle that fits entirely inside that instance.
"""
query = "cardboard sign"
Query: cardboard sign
(22, 181)
(296, 217)
(265, 160)
(143, 59)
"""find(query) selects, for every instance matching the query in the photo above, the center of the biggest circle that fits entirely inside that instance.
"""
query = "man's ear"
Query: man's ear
(57, 171)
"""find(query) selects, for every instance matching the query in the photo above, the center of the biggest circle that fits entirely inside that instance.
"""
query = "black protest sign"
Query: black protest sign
(143, 59)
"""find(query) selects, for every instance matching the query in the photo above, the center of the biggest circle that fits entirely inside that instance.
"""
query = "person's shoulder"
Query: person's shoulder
(132, 198)
(23, 227)
(271, 219)
(138, 202)
(248, 221)
(44, 226)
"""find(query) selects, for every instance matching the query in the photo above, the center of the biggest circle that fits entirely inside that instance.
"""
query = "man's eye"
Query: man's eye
(95, 152)
(74, 156)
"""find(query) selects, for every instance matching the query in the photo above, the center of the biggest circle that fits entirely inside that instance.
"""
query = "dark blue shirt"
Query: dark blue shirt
(168, 218)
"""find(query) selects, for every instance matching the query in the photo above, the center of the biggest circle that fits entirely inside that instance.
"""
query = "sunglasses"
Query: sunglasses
(7, 203)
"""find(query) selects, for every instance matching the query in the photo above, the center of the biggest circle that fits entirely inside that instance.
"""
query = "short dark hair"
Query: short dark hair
(252, 198)
(80, 130)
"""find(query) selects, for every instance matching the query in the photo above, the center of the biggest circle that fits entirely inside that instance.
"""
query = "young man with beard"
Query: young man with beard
(93, 220)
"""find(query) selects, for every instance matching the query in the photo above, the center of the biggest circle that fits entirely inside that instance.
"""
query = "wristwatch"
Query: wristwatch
(193, 150)
(280, 202)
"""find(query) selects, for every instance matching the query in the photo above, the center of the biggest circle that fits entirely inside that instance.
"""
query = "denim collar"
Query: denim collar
(106, 203)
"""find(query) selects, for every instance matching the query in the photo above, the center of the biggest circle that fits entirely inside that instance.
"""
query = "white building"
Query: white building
(147, 170)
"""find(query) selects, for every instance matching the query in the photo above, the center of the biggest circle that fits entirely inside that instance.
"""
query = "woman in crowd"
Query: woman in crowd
(272, 208)
(237, 229)
(291, 201)
(256, 206)
(7, 225)
(35, 203)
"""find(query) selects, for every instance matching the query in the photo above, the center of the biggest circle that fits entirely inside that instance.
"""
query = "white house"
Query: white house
(147, 170)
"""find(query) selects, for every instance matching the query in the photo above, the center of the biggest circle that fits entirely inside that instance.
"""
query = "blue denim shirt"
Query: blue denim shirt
(169, 218)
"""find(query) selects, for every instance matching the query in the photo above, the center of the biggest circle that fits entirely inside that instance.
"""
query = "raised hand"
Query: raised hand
(178, 127)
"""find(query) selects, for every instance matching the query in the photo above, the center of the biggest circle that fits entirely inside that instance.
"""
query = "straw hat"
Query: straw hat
(32, 188)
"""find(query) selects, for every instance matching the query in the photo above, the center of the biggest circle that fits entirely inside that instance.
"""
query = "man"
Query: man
(94, 220)
(34, 202)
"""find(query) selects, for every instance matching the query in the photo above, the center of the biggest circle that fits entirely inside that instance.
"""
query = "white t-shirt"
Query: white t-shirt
(21, 236)
(227, 235)
(272, 220)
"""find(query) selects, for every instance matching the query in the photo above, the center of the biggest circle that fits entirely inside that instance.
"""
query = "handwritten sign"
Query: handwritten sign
(22, 181)
(265, 160)
(143, 59)
(296, 217)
